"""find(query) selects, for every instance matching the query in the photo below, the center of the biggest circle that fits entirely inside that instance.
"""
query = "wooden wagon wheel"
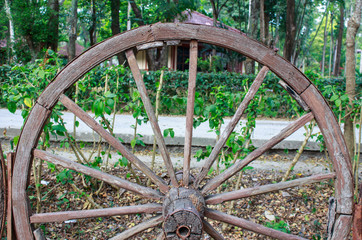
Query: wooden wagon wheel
(184, 207)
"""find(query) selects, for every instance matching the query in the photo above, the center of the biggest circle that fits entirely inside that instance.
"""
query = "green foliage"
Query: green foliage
(65, 176)
(280, 226)
(169, 132)
(20, 86)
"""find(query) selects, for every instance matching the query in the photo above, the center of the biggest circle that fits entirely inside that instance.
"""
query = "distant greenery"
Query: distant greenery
(21, 85)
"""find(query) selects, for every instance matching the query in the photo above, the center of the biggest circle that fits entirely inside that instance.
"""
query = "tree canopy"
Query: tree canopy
(300, 29)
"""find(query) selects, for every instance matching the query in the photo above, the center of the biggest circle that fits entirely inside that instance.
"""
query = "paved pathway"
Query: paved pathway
(265, 129)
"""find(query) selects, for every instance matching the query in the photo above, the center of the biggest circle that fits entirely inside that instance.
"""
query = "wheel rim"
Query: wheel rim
(294, 79)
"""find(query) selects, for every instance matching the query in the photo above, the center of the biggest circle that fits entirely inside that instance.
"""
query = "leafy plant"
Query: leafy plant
(278, 225)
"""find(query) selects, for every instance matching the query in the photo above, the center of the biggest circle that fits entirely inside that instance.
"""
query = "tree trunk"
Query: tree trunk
(337, 61)
(137, 12)
(331, 48)
(11, 29)
(262, 22)
(115, 6)
(352, 29)
(306, 52)
(215, 13)
(53, 25)
(297, 39)
(92, 29)
(253, 32)
(276, 39)
(115, 27)
(290, 31)
(324, 45)
(267, 34)
(73, 30)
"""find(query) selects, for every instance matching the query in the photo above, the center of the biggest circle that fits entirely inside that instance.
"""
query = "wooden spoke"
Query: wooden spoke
(242, 193)
(190, 111)
(3, 191)
(286, 132)
(81, 114)
(230, 127)
(211, 231)
(151, 114)
(153, 222)
(66, 163)
(248, 225)
(105, 212)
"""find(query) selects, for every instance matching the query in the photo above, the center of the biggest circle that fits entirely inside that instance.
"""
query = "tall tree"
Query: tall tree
(31, 26)
(115, 26)
(300, 26)
(217, 6)
(93, 26)
(11, 28)
(73, 19)
(115, 7)
(352, 29)
(310, 43)
(290, 30)
(324, 46)
(331, 47)
(252, 31)
(53, 25)
(337, 56)
(262, 22)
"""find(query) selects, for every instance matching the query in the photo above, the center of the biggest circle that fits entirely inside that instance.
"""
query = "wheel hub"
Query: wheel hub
(183, 211)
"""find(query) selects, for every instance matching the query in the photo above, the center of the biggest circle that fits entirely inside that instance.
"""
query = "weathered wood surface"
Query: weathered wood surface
(248, 225)
(28, 140)
(357, 216)
(248, 192)
(340, 230)
(357, 222)
(294, 95)
(230, 127)
(231, 171)
(104, 212)
(108, 178)
(3, 192)
(331, 216)
(150, 45)
(212, 231)
(336, 146)
(153, 222)
(190, 111)
(10, 231)
(132, 62)
(81, 114)
(183, 210)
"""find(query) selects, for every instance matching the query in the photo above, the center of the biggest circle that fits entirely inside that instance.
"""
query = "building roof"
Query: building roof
(63, 50)
(199, 18)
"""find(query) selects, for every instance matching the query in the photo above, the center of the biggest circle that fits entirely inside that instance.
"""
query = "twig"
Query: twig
(158, 94)
(90, 199)
(300, 151)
